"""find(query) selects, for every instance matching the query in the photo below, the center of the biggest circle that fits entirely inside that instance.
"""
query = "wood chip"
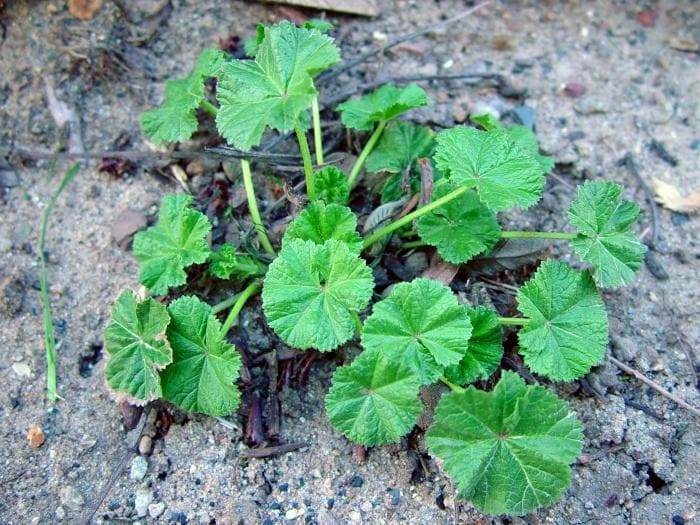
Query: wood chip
(35, 436)
(355, 7)
(84, 9)
(670, 197)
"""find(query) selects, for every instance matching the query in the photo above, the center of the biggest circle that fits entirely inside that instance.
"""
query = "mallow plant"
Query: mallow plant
(508, 450)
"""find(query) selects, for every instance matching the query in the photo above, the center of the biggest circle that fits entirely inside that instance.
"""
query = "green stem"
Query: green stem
(412, 244)
(358, 322)
(253, 208)
(513, 321)
(308, 166)
(49, 335)
(352, 178)
(455, 388)
(246, 294)
(318, 137)
(209, 107)
(407, 219)
(226, 303)
(537, 235)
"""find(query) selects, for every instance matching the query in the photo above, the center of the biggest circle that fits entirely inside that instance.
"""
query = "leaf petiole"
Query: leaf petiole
(358, 322)
(253, 208)
(352, 178)
(318, 136)
(209, 107)
(455, 388)
(246, 294)
(308, 165)
(537, 235)
(226, 303)
(413, 244)
(406, 219)
(513, 321)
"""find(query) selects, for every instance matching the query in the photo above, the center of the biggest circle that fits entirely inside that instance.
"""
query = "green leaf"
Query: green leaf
(202, 377)
(374, 400)
(225, 263)
(322, 26)
(385, 103)
(521, 135)
(176, 120)
(137, 347)
(485, 348)
(526, 140)
(312, 293)
(568, 328)
(274, 89)
(332, 186)
(178, 240)
(320, 222)
(489, 161)
(421, 324)
(252, 44)
(460, 229)
(399, 147)
(508, 450)
(604, 222)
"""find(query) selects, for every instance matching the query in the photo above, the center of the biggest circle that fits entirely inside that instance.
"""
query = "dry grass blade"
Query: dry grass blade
(670, 197)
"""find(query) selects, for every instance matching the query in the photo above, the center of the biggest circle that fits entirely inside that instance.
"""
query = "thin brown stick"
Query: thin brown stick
(265, 452)
(399, 40)
(661, 390)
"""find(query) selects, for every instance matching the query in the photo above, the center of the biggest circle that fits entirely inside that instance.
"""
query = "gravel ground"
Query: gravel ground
(600, 85)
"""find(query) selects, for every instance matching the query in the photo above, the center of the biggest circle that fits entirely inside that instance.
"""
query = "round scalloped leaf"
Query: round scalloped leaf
(202, 377)
(485, 348)
(400, 145)
(503, 174)
(312, 293)
(526, 140)
(567, 331)
(605, 240)
(508, 450)
(374, 401)
(178, 240)
(332, 186)
(321, 222)
(460, 229)
(137, 347)
(419, 323)
(385, 103)
(275, 88)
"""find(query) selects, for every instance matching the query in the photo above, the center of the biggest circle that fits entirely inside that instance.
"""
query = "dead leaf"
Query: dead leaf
(355, 7)
(683, 44)
(84, 9)
(126, 225)
(440, 270)
(670, 197)
(35, 436)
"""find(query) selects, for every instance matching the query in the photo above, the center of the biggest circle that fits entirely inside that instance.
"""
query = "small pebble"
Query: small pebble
(60, 513)
(142, 501)
(145, 445)
(355, 516)
(71, 498)
(574, 89)
(366, 506)
(139, 467)
(356, 481)
(35, 436)
(156, 509)
(293, 514)
(22, 370)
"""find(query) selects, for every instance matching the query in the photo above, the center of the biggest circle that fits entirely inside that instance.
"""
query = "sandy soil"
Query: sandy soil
(640, 462)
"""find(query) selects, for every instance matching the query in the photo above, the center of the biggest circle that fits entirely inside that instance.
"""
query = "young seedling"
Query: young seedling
(373, 111)
(509, 450)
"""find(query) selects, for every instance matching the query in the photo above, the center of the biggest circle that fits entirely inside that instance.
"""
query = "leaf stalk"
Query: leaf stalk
(455, 388)
(352, 178)
(318, 136)
(253, 208)
(308, 165)
(514, 234)
(513, 321)
(407, 219)
(209, 107)
(246, 294)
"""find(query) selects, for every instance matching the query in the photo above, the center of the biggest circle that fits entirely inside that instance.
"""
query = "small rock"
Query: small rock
(574, 89)
(591, 106)
(8, 179)
(35, 436)
(356, 481)
(366, 506)
(355, 516)
(293, 514)
(156, 509)
(625, 348)
(178, 517)
(60, 513)
(145, 445)
(22, 370)
(126, 225)
(71, 498)
(142, 501)
(647, 18)
(139, 467)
